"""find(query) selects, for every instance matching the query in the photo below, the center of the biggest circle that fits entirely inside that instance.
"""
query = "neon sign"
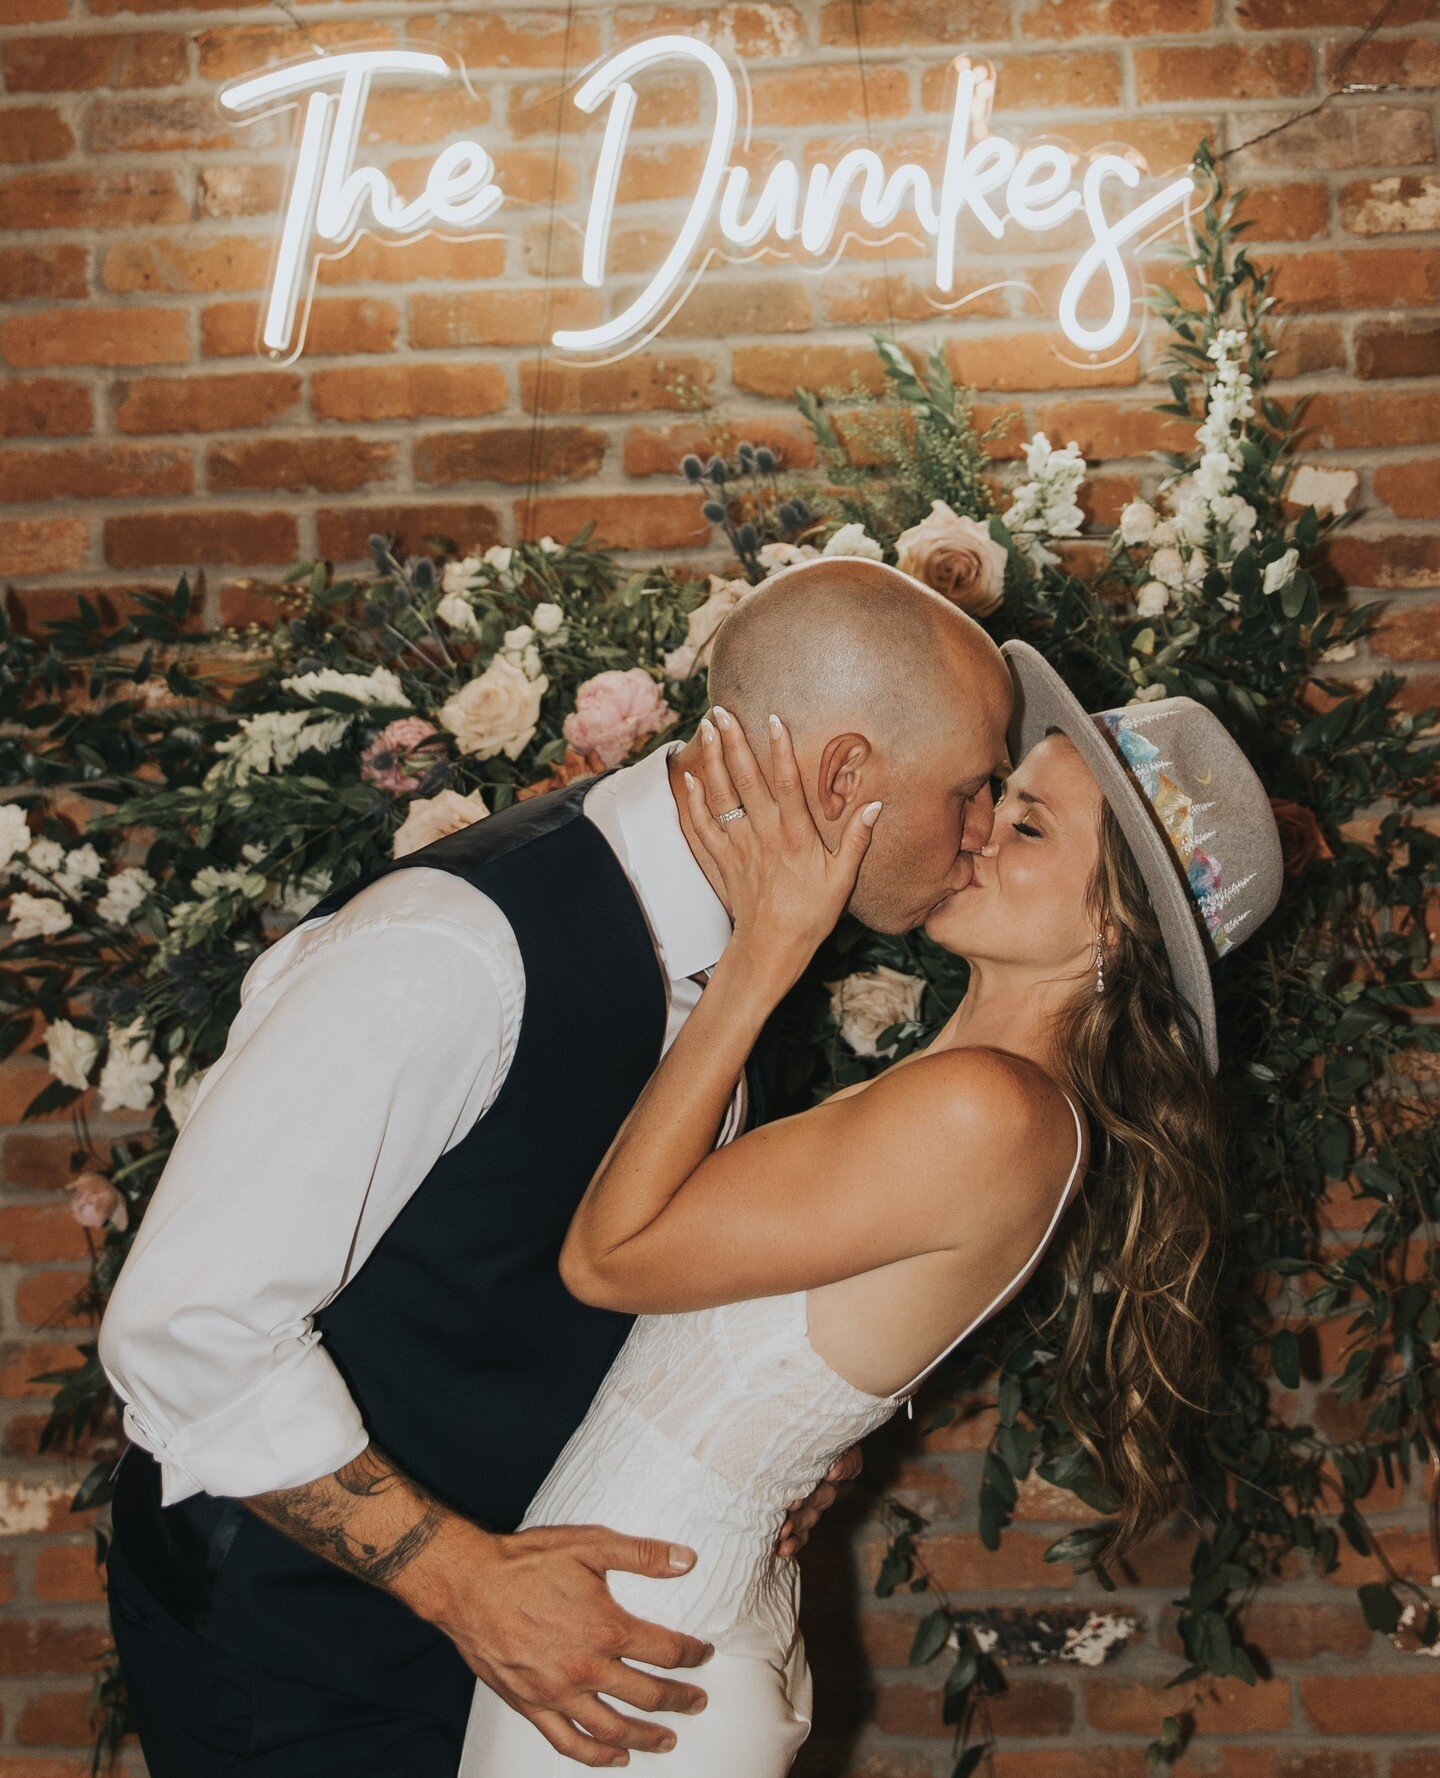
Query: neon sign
(982, 176)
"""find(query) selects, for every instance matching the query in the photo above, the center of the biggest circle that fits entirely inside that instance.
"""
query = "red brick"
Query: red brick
(33, 1158)
(1385, 350)
(69, 1572)
(180, 539)
(43, 407)
(1407, 1552)
(1423, 1764)
(30, 1232)
(1115, 18)
(446, 320)
(515, 40)
(1312, 15)
(314, 465)
(961, 1563)
(95, 336)
(55, 1719)
(426, 112)
(1066, 80)
(207, 403)
(643, 380)
(40, 546)
(1288, 1762)
(1218, 70)
(1410, 490)
(1368, 418)
(430, 257)
(173, 125)
(779, 371)
(1358, 278)
(408, 392)
(1366, 135)
(95, 471)
(1294, 1630)
(1372, 1703)
(44, 272)
(225, 192)
(1409, 633)
(923, 24)
(83, 60)
(229, 262)
(1087, 1762)
(46, 1299)
(227, 51)
(80, 198)
(1304, 347)
(1397, 204)
(1407, 560)
(1107, 429)
(1135, 1707)
(34, 133)
(1021, 361)
(621, 521)
(343, 531)
(718, 309)
(32, 12)
(657, 450)
(1386, 62)
(1026, 1707)
(1296, 211)
(337, 324)
(669, 104)
(46, 1645)
(22, 1363)
(785, 100)
(509, 454)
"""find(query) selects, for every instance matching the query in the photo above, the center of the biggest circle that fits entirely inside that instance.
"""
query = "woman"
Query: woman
(795, 1287)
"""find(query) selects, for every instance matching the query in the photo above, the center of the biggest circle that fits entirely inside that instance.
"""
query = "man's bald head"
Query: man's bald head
(874, 673)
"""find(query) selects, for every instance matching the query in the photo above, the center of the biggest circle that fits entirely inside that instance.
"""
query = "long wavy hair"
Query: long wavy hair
(1141, 1255)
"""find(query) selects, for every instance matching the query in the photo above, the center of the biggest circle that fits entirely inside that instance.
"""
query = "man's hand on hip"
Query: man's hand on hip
(530, 1613)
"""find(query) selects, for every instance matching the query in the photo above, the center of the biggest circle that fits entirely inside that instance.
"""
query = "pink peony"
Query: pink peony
(614, 712)
(387, 762)
(94, 1202)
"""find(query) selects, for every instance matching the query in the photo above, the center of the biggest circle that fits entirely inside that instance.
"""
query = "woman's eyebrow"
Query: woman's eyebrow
(1029, 796)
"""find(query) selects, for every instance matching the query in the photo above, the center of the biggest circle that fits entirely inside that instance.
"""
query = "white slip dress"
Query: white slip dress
(707, 1425)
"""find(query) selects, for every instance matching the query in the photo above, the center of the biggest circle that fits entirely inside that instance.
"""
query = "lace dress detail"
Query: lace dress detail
(707, 1426)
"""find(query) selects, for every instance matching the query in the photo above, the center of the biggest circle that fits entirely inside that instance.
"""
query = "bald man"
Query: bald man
(344, 1351)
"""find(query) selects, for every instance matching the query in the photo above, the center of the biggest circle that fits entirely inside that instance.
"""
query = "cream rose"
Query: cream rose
(956, 557)
(432, 817)
(705, 620)
(864, 1006)
(496, 712)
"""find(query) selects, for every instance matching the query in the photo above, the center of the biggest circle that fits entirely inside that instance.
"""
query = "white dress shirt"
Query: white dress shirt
(366, 1044)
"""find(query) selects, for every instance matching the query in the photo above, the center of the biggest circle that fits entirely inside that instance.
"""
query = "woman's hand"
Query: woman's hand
(784, 886)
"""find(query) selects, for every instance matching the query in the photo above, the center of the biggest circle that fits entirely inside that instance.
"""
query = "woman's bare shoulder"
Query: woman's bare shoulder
(974, 1114)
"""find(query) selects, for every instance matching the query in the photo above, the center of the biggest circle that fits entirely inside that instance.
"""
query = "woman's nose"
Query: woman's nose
(990, 849)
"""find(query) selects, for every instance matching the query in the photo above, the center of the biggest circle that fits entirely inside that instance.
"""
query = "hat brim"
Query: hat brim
(1044, 703)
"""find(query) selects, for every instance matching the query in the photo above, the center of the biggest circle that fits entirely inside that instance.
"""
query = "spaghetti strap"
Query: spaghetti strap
(1025, 1271)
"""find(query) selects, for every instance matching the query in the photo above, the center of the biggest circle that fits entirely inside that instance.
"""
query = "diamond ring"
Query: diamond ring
(731, 815)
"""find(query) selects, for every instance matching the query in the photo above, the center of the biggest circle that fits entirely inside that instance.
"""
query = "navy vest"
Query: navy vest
(469, 1361)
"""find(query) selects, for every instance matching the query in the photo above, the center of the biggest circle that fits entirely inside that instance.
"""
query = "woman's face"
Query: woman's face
(1028, 900)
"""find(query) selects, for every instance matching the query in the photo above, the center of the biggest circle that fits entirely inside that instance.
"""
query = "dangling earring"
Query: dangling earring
(1099, 965)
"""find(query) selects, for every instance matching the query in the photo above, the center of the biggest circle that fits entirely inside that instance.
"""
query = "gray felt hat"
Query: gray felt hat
(1196, 817)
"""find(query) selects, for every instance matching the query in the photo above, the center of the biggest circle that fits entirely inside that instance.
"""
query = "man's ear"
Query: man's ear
(842, 762)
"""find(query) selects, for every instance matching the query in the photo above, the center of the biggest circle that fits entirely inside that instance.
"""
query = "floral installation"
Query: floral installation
(232, 777)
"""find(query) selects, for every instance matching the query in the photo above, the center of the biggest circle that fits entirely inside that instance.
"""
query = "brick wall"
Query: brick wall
(143, 433)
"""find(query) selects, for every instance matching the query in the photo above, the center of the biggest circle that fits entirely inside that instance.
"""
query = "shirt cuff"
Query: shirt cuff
(297, 1424)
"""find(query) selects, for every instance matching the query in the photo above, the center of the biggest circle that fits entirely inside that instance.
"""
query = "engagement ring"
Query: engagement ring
(731, 815)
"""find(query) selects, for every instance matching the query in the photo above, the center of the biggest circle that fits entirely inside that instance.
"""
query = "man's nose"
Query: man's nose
(979, 821)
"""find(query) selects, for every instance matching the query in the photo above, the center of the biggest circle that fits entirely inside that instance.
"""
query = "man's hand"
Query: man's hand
(805, 1514)
(531, 1614)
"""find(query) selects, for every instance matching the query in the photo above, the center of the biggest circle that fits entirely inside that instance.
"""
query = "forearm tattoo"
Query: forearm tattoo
(335, 1516)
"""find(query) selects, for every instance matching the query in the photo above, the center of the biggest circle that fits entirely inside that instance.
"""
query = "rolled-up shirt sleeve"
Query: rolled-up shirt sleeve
(365, 1045)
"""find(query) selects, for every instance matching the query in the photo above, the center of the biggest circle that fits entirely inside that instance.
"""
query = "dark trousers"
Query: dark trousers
(205, 1712)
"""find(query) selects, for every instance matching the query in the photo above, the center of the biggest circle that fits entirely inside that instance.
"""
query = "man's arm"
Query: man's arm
(530, 1613)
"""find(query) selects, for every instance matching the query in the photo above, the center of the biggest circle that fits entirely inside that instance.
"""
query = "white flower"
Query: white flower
(1168, 566)
(457, 611)
(1197, 566)
(548, 545)
(130, 1071)
(1342, 651)
(459, 578)
(432, 817)
(272, 741)
(300, 896)
(1149, 694)
(82, 865)
(854, 540)
(124, 893)
(549, 618)
(45, 858)
(865, 1006)
(782, 555)
(379, 686)
(519, 646)
(38, 916)
(496, 712)
(180, 1094)
(1044, 505)
(499, 556)
(14, 834)
(1215, 474)
(1137, 522)
(1152, 600)
(1163, 535)
(703, 623)
(1280, 573)
(72, 1052)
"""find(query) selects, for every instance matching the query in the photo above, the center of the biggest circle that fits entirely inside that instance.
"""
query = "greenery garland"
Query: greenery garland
(239, 773)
